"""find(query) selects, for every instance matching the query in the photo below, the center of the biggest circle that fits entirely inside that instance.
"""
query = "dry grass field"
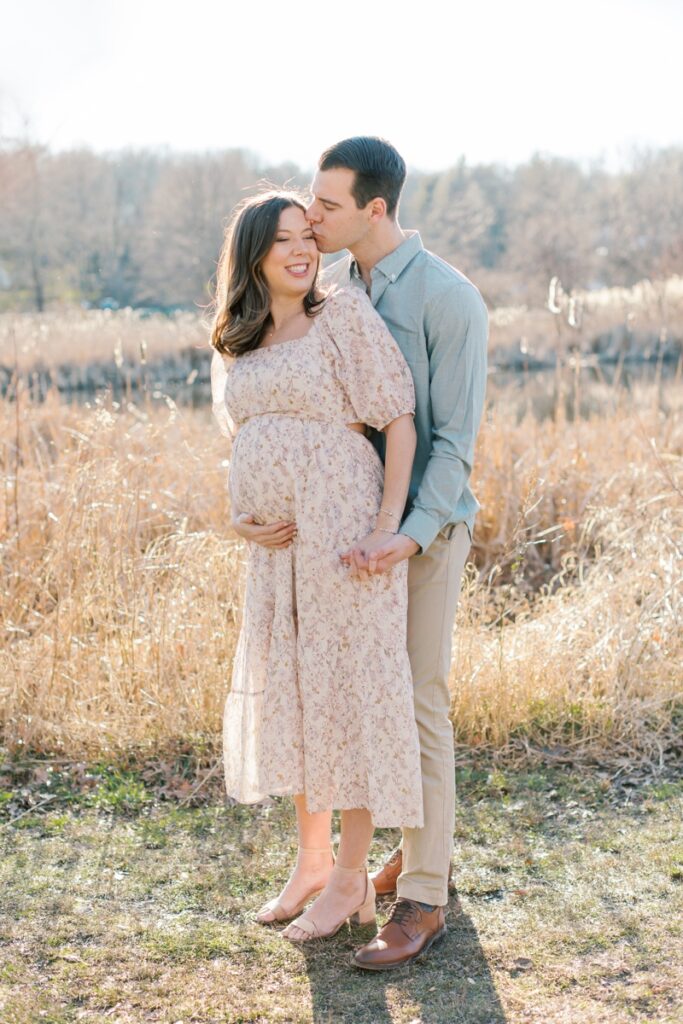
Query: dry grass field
(122, 579)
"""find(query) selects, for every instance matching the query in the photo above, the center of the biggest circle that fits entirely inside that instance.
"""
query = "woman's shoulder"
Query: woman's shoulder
(347, 307)
(346, 298)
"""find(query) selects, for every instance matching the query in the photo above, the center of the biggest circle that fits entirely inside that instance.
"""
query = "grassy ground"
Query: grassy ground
(122, 903)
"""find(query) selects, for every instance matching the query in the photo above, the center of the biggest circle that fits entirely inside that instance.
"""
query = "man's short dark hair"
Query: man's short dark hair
(379, 169)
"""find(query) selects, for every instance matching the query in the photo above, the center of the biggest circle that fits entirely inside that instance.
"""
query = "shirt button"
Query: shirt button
(393, 277)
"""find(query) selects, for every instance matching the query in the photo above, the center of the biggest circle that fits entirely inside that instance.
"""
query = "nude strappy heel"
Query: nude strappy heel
(281, 913)
(364, 913)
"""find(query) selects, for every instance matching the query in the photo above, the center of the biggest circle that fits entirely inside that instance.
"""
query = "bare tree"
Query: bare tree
(183, 225)
(146, 227)
(25, 241)
(643, 218)
(551, 225)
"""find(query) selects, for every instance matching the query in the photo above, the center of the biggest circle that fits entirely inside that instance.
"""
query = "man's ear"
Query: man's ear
(378, 209)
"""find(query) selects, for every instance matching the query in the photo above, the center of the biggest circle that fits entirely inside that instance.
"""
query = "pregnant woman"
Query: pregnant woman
(321, 702)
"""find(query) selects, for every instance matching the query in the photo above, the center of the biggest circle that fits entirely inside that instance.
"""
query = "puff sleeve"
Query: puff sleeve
(368, 362)
(218, 406)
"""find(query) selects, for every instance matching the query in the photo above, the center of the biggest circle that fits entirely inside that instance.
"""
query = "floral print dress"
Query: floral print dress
(321, 701)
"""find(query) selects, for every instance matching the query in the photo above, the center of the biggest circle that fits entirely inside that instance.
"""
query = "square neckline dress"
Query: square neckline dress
(321, 699)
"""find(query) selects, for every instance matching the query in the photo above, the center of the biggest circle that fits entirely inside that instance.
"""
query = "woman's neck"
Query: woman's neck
(284, 308)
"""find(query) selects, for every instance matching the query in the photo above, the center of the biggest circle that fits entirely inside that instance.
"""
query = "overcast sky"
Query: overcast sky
(491, 81)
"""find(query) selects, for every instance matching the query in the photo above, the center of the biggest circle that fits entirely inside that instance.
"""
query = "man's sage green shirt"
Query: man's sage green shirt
(440, 323)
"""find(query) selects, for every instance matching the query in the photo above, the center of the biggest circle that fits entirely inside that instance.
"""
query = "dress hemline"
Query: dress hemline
(382, 822)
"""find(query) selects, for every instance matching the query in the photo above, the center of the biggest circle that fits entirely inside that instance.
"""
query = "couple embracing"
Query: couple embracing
(353, 406)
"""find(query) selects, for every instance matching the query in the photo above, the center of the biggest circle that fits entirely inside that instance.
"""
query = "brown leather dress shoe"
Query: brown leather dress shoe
(385, 879)
(409, 932)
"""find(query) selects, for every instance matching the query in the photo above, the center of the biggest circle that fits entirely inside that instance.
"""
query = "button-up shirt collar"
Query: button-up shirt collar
(390, 267)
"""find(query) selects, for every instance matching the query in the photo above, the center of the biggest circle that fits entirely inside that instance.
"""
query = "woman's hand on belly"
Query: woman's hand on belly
(270, 535)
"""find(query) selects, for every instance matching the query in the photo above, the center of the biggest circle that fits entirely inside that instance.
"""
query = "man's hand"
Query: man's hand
(377, 553)
(270, 535)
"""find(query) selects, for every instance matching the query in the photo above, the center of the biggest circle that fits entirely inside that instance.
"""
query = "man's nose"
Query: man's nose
(312, 213)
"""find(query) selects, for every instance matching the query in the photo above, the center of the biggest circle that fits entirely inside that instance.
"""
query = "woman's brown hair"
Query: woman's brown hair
(242, 302)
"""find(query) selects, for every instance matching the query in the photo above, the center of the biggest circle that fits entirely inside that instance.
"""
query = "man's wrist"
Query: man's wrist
(421, 527)
(411, 545)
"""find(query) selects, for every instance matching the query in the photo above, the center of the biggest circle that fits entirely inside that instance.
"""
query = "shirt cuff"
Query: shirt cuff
(421, 528)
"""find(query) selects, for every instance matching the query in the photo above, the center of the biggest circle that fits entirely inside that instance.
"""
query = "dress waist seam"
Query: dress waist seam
(296, 416)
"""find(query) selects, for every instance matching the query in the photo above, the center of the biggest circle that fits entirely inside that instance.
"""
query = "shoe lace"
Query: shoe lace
(402, 911)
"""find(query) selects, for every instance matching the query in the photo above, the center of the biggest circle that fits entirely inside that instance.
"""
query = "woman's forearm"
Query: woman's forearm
(401, 441)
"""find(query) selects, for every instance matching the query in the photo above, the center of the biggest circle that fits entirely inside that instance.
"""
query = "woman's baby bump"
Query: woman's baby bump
(262, 475)
(283, 462)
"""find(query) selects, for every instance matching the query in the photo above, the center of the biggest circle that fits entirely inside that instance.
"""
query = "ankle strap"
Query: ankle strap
(351, 871)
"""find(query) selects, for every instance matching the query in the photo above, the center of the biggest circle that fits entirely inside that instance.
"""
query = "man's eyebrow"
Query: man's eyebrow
(329, 202)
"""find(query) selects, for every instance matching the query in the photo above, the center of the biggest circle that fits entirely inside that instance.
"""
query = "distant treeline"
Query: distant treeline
(144, 228)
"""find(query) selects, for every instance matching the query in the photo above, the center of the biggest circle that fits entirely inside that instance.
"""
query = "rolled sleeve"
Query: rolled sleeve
(457, 335)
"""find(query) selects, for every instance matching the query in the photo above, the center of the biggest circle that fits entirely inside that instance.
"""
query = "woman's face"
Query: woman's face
(292, 261)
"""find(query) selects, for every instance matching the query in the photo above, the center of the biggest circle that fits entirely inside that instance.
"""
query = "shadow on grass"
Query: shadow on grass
(452, 984)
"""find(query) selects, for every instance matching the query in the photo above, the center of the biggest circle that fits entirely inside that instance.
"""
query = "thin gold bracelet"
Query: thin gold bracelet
(380, 529)
(392, 514)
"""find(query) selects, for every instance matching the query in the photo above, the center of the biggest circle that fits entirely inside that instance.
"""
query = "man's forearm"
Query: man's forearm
(442, 486)
(457, 343)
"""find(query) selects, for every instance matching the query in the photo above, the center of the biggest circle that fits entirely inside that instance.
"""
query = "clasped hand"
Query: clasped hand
(377, 553)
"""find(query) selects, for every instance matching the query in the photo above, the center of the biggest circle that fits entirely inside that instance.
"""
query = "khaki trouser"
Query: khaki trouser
(434, 580)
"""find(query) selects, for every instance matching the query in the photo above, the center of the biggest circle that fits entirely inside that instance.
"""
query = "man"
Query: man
(439, 321)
